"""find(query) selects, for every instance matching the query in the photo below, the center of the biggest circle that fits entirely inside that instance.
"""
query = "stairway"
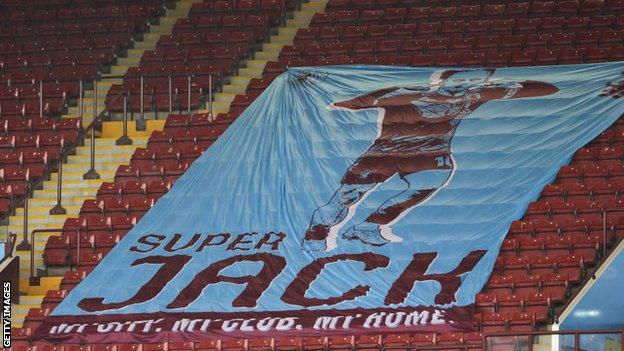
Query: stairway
(132, 59)
(75, 191)
(32, 298)
(253, 68)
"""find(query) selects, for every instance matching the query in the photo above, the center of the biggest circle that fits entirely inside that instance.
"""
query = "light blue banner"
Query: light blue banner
(391, 162)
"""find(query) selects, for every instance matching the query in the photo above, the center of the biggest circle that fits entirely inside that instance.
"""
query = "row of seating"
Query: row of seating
(53, 61)
(71, 31)
(579, 208)
(52, 4)
(595, 191)
(553, 245)
(385, 47)
(469, 342)
(608, 232)
(227, 23)
(540, 307)
(273, 8)
(36, 52)
(63, 250)
(488, 10)
(69, 73)
(140, 9)
(220, 60)
(113, 191)
(470, 27)
(474, 33)
(480, 59)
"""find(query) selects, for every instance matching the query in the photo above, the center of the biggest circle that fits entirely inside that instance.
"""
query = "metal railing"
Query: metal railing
(555, 340)
(175, 97)
(89, 132)
(32, 238)
(58, 208)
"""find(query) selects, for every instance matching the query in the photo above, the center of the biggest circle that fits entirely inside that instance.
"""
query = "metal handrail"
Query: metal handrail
(90, 129)
(32, 240)
(172, 75)
(91, 174)
(58, 208)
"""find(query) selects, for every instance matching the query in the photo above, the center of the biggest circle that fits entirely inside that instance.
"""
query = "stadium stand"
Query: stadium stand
(46, 51)
(547, 255)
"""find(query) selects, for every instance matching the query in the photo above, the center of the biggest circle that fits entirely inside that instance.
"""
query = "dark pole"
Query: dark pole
(91, 173)
(40, 99)
(80, 104)
(25, 245)
(210, 93)
(58, 209)
(140, 123)
(124, 139)
(170, 98)
(188, 107)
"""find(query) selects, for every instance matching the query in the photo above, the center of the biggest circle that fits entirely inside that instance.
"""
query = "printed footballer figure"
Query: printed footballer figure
(417, 124)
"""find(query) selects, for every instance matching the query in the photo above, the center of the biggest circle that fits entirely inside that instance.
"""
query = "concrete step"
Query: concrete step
(221, 107)
(258, 64)
(68, 200)
(87, 112)
(100, 157)
(71, 188)
(112, 148)
(107, 166)
(288, 30)
(136, 53)
(147, 115)
(88, 101)
(281, 40)
(43, 211)
(267, 55)
(240, 80)
(126, 62)
(104, 174)
(30, 300)
(224, 97)
(111, 142)
(151, 36)
(144, 45)
(272, 46)
(35, 220)
(45, 284)
(49, 201)
(251, 72)
(235, 88)
(23, 308)
(102, 91)
(120, 69)
(82, 183)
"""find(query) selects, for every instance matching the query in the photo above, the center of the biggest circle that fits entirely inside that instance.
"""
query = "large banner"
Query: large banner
(345, 200)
